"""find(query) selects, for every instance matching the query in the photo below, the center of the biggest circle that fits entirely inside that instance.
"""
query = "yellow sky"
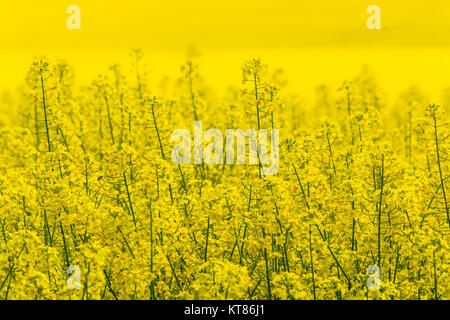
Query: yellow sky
(314, 40)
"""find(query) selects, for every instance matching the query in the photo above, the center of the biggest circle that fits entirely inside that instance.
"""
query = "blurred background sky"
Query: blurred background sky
(314, 41)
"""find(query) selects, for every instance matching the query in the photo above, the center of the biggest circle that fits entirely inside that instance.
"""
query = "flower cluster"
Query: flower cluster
(87, 180)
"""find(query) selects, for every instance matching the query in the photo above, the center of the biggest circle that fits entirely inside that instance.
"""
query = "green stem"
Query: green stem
(44, 104)
(440, 170)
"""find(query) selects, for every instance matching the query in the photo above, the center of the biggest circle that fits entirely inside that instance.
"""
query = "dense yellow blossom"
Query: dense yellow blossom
(87, 180)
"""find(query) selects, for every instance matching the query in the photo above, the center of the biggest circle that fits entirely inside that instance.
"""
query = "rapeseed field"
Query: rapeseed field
(92, 205)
